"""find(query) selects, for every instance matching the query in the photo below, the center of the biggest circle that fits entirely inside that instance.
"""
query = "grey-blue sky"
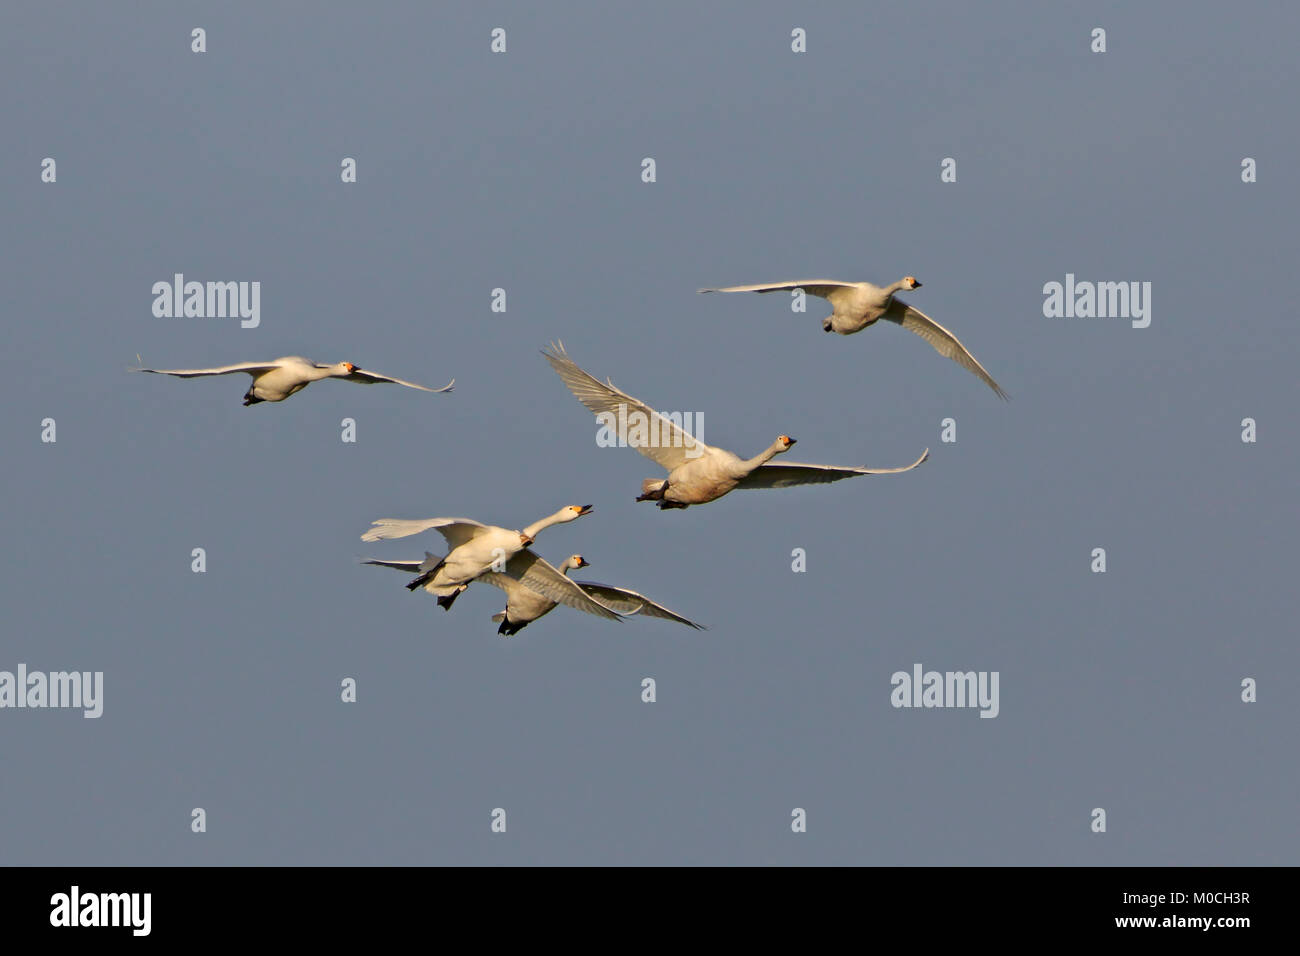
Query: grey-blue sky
(522, 171)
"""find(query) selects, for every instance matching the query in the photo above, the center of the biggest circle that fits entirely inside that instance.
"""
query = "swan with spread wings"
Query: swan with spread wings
(697, 473)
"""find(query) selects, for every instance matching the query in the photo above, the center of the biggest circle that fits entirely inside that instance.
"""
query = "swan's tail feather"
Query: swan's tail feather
(652, 489)
(420, 580)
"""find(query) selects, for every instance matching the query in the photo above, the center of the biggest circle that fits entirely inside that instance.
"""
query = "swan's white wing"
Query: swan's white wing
(944, 342)
(818, 287)
(410, 567)
(797, 473)
(629, 602)
(252, 368)
(363, 377)
(456, 531)
(536, 574)
(666, 443)
(504, 582)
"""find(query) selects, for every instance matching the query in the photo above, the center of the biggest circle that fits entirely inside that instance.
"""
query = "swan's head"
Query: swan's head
(525, 539)
(785, 441)
(348, 367)
(909, 282)
(574, 512)
(578, 561)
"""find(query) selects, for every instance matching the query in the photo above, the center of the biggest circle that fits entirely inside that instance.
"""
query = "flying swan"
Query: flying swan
(525, 605)
(860, 304)
(697, 473)
(473, 549)
(275, 381)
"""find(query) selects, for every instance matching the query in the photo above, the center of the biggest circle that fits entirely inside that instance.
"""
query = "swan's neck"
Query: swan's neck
(536, 526)
(332, 371)
(899, 286)
(764, 457)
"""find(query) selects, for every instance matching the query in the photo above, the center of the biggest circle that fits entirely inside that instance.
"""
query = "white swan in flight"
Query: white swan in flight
(624, 600)
(697, 473)
(473, 548)
(860, 304)
(277, 380)
(524, 604)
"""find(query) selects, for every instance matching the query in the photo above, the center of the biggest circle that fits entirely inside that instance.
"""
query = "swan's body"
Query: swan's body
(277, 380)
(525, 605)
(860, 304)
(697, 473)
(474, 547)
(533, 585)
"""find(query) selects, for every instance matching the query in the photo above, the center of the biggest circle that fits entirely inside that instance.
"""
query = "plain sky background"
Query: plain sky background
(522, 171)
